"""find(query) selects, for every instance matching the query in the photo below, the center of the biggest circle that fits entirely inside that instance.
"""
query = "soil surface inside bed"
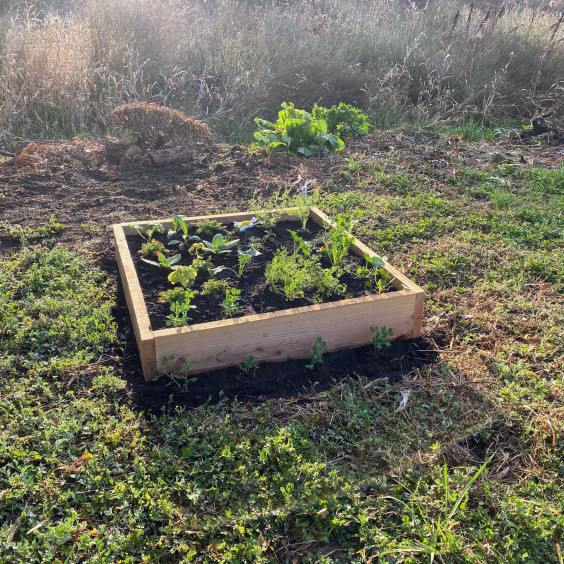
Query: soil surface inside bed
(256, 296)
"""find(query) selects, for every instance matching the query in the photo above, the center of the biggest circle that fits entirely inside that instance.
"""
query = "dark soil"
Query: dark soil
(256, 296)
(290, 380)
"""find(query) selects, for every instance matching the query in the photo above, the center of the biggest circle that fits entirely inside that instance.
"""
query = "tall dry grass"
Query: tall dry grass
(227, 61)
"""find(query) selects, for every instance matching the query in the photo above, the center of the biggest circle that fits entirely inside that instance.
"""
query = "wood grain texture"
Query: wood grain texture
(136, 304)
(272, 337)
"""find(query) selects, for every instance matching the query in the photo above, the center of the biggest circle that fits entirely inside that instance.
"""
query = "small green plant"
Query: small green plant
(214, 287)
(373, 269)
(151, 248)
(180, 310)
(179, 377)
(149, 230)
(380, 337)
(218, 244)
(231, 302)
(208, 227)
(248, 365)
(315, 354)
(25, 234)
(337, 243)
(163, 261)
(301, 132)
(244, 257)
(183, 275)
(179, 235)
(172, 295)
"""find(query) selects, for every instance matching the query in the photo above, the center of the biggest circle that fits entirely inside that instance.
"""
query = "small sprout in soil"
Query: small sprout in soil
(178, 377)
(172, 295)
(152, 228)
(214, 287)
(315, 355)
(302, 205)
(380, 338)
(179, 235)
(151, 248)
(218, 245)
(248, 365)
(164, 262)
(208, 227)
(231, 302)
(373, 269)
(337, 243)
(244, 256)
(180, 310)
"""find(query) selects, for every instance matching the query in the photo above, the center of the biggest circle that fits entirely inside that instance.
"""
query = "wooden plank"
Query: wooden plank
(287, 334)
(136, 304)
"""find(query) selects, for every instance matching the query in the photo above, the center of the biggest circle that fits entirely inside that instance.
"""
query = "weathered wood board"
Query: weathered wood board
(273, 337)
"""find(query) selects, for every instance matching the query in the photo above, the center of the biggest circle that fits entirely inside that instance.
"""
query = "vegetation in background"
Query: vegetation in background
(65, 66)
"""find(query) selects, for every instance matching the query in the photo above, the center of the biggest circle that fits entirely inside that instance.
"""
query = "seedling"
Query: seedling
(244, 257)
(315, 355)
(219, 244)
(180, 310)
(180, 229)
(207, 227)
(178, 377)
(231, 302)
(152, 228)
(183, 275)
(248, 364)
(337, 243)
(373, 268)
(164, 262)
(380, 338)
(152, 247)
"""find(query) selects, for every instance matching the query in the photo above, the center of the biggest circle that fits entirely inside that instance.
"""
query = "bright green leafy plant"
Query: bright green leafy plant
(150, 230)
(179, 235)
(219, 244)
(373, 269)
(337, 243)
(180, 310)
(163, 261)
(301, 132)
(151, 248)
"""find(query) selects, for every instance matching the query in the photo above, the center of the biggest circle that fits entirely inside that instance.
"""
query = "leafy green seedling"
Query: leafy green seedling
(180, 310)
(180, 229)
(248, 364)
(178, 377)
(244, 256)
(219, 244)
(373, 268)
(148, 233)
(231, 302)
(380, 338)
(315, 355)
(183, 275)
(164, 262)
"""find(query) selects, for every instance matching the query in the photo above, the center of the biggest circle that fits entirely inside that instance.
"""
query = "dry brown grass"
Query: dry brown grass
(228, 62)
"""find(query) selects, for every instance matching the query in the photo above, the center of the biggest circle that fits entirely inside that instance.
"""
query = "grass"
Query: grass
(470, 471)
(64, 66)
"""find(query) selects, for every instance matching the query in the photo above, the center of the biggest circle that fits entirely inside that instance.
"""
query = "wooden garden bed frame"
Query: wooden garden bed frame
(268, 337)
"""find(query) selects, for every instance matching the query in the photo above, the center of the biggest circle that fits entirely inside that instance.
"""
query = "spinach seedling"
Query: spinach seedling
(380, 338)
(315, 355)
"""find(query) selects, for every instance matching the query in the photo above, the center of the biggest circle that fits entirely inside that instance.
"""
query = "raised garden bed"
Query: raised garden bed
(273, 336)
